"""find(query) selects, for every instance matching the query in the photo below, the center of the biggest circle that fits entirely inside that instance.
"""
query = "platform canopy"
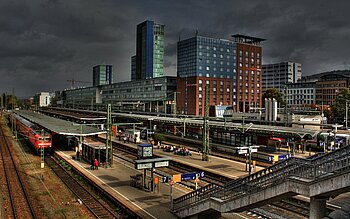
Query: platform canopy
(59, 126)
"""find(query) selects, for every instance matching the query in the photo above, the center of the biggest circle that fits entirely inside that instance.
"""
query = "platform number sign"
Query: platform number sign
(165, 179)
(201, 174)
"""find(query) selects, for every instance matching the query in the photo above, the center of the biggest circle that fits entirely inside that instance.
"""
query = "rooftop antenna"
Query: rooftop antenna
(196, 32)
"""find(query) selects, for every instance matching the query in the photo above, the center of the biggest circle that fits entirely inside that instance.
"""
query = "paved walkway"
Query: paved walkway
(152, 205)
(117, 180)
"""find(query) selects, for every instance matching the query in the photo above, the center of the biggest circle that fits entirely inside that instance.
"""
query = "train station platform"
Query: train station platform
(116, 180)
(148, 204)
(225, 167)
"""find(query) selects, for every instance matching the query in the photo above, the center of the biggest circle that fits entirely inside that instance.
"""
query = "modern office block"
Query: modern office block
(300, 95)
(133, 68)
(238, 60)
(149, 50)
(102, 75)
(277, 75)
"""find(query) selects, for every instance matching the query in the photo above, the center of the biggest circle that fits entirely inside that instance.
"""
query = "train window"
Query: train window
(44, 139)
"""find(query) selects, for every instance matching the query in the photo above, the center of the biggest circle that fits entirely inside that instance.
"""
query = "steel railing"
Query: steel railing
(311, 169)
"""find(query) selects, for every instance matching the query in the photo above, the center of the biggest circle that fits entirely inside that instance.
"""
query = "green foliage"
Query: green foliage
(322, 138)
(159, 137)
(9, 101)
(338, 107)
(274, 93)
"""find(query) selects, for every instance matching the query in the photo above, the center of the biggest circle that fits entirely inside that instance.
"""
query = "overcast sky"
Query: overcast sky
(43, 43)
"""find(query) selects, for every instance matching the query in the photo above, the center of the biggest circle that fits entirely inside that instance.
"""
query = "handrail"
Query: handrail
(312, 169)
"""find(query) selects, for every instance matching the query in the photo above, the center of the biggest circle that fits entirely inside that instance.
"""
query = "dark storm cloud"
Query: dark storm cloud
(45, 42)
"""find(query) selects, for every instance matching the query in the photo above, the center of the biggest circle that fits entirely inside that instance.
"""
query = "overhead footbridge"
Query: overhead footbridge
(319, 178)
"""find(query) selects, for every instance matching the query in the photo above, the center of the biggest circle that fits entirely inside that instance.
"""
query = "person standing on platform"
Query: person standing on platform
(92, 167)
(96, 164)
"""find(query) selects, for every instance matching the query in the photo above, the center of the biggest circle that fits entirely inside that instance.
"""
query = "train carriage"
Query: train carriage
(38, 137)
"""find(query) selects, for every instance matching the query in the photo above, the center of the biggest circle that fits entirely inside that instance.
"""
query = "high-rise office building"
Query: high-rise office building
(278, 74)
(133, 68)
(149, 50)
(102, 75)
(211, 61)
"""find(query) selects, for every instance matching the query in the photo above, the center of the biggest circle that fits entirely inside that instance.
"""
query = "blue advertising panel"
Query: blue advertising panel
(188, 176)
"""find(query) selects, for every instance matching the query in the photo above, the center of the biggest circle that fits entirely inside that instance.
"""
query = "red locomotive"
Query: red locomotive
(38, 137)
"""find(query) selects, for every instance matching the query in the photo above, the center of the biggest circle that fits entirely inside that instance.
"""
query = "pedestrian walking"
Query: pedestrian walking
(92, 167)
(96, 164)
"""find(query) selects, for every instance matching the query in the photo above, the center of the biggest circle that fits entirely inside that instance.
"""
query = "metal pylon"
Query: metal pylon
(109, 155)
(206, 126)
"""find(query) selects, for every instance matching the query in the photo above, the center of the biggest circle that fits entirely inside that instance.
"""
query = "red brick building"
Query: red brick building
(191, 94)
(231, 68)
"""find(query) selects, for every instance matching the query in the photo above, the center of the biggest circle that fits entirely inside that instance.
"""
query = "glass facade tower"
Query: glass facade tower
(102, 75)
(149, 50)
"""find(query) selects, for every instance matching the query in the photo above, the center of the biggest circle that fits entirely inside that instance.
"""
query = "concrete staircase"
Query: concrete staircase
(318, 177)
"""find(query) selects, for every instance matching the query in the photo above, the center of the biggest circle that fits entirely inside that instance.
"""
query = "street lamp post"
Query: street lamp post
(346, 115)
(150, 130)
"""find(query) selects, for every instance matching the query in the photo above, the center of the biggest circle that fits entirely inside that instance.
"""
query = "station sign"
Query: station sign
(253, 150)
(151, 163)
(161, 164)
(246, 151)
(188, 176)
(165, 179)
(141, 166)
(242, 151)
(176, 178)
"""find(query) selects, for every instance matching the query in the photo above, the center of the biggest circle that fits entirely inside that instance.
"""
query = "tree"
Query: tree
(338, 107)
(158, 138)
(274, 93)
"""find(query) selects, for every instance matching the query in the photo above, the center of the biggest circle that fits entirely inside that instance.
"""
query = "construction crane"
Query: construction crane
(73, 82)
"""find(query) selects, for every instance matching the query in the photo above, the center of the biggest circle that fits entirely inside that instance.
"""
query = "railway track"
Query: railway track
(295, 206)
(20, 203)
(291, 205)
(96, 207)
(130, 154)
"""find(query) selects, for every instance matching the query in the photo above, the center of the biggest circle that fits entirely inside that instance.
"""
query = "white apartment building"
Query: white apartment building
(278, 74)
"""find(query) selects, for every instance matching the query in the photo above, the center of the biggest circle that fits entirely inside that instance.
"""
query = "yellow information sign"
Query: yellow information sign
(177, 178)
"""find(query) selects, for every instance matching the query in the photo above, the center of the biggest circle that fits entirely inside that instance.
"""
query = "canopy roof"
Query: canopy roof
(59, 126)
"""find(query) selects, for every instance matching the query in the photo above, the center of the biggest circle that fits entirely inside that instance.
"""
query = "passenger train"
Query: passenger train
(38, 137)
